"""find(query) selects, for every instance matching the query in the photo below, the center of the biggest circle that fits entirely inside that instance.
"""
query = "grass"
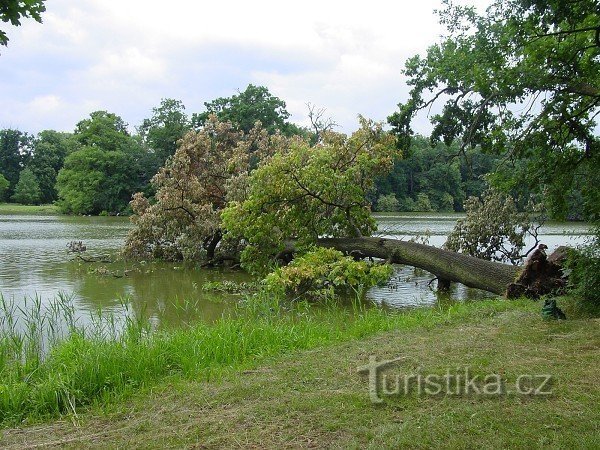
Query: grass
(270, 380)
(15, 208)
(50, 366)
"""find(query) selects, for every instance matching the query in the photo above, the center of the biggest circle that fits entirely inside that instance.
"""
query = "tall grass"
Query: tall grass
(50, 365)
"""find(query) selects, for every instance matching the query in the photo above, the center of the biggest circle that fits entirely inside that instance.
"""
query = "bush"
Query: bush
(423, 204)
(584, 266)
(387, 203)
(323, 272)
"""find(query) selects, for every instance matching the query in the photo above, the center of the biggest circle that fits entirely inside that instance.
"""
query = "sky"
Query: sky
(124, 56)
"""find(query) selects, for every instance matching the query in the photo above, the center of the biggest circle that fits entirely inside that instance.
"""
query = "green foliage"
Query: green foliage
(231, 287)
(13, 10)
(50, 149)
(494, 229)
(304, 192)
(387, 203)
(15, 148)
(322, 272)
(436, 172)
(105, 172)
(4, 184)
(522, 81)
(584, 270)
(254, 104)
(27, 190)
(209, 168)
(422, 204)
(165, 128)
(103, 130)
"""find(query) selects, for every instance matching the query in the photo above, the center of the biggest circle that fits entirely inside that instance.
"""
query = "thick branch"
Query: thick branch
(456, 267)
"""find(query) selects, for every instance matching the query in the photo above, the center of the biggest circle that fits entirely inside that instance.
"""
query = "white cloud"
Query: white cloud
(124, 56)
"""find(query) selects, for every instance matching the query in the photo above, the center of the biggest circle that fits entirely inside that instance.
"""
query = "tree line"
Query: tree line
(97, 168)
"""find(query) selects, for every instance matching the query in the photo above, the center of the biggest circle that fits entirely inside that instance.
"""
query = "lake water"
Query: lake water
(34, 262)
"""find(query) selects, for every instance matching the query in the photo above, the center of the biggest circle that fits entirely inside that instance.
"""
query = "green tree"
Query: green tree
(429, 170)
(4, 184)
(104, 130)
(522, 80)
(305, 192)
(15, 148)
(387, 203)
(105, 172)
(165, 128)
(13, 10)
(27, 190)
(50, 149)
(254, 104)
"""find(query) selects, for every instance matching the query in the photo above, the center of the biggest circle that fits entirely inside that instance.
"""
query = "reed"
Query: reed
(52, 362)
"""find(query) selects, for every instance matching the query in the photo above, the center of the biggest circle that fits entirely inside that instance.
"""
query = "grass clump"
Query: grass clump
(51, 365)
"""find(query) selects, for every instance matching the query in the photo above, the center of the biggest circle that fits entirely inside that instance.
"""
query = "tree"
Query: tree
(27, 190)
(165, 128)
(50, 149)
(209, 168)
(211, 204)
(13, 10)
(15, 149)
(431, 178)
(305, 192)
(104, 130)
(4, 184)
(105, 172)
(522, 80)
(254, 104)
(494, 229)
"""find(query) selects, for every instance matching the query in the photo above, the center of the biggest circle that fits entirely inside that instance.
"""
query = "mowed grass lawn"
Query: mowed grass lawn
(316, 399)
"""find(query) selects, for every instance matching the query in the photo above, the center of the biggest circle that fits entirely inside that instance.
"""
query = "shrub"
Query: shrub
(387, 203)
(323, 272)
(584, 267)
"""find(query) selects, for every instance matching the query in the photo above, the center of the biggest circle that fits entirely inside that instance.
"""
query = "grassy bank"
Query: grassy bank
(295, 388)
(100, 364)
(15, 208)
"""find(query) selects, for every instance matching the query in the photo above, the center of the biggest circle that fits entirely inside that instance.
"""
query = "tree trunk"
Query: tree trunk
(446, 265)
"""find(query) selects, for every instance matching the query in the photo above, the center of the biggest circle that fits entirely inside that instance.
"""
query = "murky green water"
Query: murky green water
(34, 261)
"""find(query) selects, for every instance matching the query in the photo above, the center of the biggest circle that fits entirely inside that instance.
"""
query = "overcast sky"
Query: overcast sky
(124, 56)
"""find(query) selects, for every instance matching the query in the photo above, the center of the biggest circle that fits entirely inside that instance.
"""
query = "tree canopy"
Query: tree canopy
(522, 80)
(15, 149)
(165, 128)
(244, 109)
(304, 192)
(27, 190)
(209, 168)
(105, 171)
(14, 10)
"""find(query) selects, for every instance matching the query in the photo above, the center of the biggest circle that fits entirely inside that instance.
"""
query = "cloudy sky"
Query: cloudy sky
(124, 56)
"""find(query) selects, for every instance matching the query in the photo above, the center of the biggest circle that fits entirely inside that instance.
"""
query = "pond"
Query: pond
(34, 262)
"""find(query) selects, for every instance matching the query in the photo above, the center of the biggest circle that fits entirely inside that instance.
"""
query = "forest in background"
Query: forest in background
(99, 166)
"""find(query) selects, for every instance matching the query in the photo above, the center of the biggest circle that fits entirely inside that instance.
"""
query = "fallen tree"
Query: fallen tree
(212, 205)
(447, 266)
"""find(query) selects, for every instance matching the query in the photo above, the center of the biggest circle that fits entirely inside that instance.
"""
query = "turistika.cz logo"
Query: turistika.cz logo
(383, 382)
